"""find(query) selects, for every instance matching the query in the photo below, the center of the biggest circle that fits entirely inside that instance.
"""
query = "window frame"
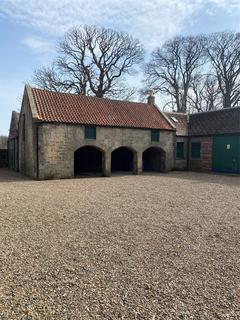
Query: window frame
(182, 155)
(155, 135)
(193, 156)
(89, 134)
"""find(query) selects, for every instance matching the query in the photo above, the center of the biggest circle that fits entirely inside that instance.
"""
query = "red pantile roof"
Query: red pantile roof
(78, 109)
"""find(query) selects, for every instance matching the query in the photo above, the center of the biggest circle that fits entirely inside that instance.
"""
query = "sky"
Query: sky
(30, 30)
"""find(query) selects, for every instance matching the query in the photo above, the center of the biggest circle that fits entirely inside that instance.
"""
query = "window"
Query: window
(196, 150)
(90, 132)
(180, 150)
(154, 135)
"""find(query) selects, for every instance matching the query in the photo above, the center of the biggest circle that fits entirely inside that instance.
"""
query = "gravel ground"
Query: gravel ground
(127, 247)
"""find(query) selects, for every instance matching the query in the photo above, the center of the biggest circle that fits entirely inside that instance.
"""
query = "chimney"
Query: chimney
(151, 98)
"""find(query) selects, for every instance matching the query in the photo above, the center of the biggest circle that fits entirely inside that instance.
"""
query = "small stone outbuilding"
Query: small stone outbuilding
(3, 151)
(180, 121)
(13, 142)
(63, 135)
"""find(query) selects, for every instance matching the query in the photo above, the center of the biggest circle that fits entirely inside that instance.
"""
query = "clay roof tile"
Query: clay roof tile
(79, 109)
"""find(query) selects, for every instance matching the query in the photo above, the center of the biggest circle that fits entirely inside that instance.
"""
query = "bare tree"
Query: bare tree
(204, 93)
(92, 61)
(223, 49)
(124, 92)
(55, 79)
(172, 67)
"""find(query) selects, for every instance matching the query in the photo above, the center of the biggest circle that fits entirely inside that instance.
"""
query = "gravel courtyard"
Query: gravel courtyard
(128, 247)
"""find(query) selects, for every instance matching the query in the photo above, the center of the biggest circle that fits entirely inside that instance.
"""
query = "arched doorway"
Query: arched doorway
(123, 159)
(88, 160)
(154, 160)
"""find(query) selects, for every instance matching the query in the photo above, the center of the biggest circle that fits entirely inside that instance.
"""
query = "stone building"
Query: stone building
(180, 121)
(59, 135)
(13, 142)
(208, 141)
(3, 151)
(64, 135)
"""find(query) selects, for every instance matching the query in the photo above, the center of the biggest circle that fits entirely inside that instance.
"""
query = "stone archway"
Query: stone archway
(154, 159)
(123, 159)
(89, 160)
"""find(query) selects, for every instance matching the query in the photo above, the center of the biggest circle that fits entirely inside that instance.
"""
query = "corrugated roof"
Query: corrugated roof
(79, 109)
(215, 122)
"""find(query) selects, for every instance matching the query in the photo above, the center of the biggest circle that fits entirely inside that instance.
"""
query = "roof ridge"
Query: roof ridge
(91, 97)
(212, 111)
(181, 113)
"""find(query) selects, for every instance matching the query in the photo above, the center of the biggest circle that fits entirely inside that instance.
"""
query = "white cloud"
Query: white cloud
(229, 5)
(37, 44)
(152, 21)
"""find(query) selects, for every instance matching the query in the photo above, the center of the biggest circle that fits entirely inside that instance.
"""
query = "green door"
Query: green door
(226, 153)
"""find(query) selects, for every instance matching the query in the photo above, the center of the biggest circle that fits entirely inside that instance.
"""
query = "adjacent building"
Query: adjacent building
(208, 141)
(3, 152)
(180, 121)
(13, 142)
(215, 141)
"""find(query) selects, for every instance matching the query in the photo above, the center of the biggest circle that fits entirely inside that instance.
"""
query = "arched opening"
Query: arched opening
(122, 159)
(154, 160)
(88, 160)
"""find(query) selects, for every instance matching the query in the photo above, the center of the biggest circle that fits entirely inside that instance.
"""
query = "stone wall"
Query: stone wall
(3, 142)
(27, 140)
(3, 151)
(205, 161)
(57, 144)
(182, 164)
(13, 153)
(3, 158)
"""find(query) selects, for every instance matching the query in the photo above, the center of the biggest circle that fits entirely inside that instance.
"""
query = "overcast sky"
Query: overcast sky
(30, 29)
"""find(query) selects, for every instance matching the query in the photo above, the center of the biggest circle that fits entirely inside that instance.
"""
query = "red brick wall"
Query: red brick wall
(205, 162)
